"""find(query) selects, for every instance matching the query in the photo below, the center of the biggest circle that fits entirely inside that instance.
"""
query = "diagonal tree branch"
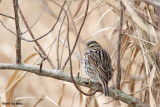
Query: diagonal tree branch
(60, 75)
(36, 42)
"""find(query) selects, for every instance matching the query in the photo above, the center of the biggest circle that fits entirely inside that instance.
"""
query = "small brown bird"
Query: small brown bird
(97, 65)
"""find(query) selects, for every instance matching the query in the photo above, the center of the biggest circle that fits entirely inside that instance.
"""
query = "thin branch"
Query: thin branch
(70, 60)
(34, 23)
(74, 29)
(58, 60)
(79, 7)
(7, 16)
(64, 44)
(63, 41)
(60, 75)
(35, 39)
(118, 79)
(77, 35)
(7, 28)
(18, 37)
(43, 58)
(51, 46)
(37, 43)
(75, 53)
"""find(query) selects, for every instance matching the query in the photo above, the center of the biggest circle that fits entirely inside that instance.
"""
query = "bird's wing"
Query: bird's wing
(106, 65)
(102, 63)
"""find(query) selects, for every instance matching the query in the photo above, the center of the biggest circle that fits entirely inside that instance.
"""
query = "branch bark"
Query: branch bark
(18, 37)
(118, 79)
(60, 75)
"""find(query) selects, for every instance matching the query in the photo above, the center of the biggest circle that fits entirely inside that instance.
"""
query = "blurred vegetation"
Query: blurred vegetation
(140, 50)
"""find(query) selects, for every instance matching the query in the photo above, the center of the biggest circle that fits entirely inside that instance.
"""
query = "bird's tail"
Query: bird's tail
(105, 86)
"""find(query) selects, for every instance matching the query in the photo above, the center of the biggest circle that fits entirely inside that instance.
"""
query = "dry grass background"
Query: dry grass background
(140, 74)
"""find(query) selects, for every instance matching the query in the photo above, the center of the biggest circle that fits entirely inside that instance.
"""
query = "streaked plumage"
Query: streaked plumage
(97, 65)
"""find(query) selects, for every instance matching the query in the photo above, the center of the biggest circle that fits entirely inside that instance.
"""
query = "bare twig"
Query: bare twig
(58, 60)
(18, 37)
(51, 46)
(118, 79)
(33, 25)
(7, 16)
(77, 36)
(59, 38)
(37, 43)
(79, 7)
(63, 41)
(7, 28)
(41, 64)
(75, 53)
(78, 76)
(70, 60)
(35, 39)
(64, 44)
(74, 29)
(43, 58)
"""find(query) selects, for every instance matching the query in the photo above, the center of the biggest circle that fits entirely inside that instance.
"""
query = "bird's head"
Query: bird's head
(93, 46)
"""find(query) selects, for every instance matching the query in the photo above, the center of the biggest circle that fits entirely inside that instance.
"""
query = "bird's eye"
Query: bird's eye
(91, 45)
